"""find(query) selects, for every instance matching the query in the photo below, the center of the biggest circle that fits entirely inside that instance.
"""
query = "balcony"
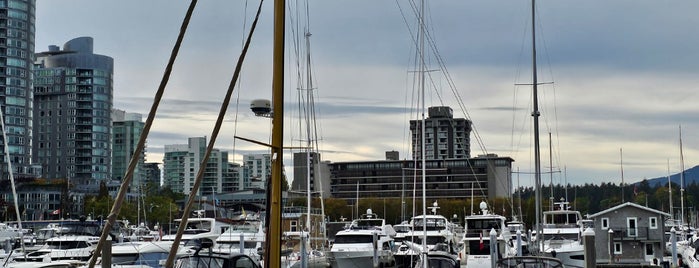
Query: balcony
(631, 234)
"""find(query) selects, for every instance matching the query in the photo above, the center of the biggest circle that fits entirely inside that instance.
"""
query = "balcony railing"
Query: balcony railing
(640, 233)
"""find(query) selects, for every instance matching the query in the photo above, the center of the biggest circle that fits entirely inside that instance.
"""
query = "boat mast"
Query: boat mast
(621, 164)
(551, 171)
(669, 186)
(421, 54)
(537, 153)
(681, 181)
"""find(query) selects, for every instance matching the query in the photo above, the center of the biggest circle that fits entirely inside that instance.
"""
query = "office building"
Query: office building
(446, 137)
(487, 176)
(126, 132)
(72, 112)
(319, 175)
(17, 19)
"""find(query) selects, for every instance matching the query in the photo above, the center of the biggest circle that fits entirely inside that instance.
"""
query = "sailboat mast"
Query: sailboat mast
(421, 53)
(309, 144)
(621, 164)
(535, 114)
(551, 171)
(681, 181)
(669, 187)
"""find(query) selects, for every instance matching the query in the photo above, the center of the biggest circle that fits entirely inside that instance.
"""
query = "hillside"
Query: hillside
(690, 175)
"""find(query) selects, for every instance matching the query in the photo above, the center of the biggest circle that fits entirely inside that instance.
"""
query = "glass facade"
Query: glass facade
(16, 55)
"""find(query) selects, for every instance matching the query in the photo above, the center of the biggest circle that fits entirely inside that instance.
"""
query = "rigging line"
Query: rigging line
(214, 135)
(407, 112)
(452, 86)
(237, 99)
(111, 218)
(515, 148)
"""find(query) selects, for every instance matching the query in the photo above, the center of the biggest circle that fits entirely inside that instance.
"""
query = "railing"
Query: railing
(625, 233)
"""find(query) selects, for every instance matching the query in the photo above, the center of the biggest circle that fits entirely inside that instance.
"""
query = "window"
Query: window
(653, 222)
(632, 227)
(605, 223)
(292, 224)
(617, 247)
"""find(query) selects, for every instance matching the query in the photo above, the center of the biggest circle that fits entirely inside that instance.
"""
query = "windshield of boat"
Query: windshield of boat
(200, 262)
(432, 224)
(431, 240)
(44, 234)
(81, 228)
(66, 244)
(561, 219)
(401, 228)
(573, 237)
(353, 239)
(144, 259)
(475, 227)
(196, 227)
(244, 228)
(366, 224)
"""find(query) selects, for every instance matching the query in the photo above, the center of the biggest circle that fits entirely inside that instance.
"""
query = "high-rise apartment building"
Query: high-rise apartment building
(72, 112)
(126, 131)
(16, 57)
(151, 174)
(182, 162)
(257, 169)
(446, 137)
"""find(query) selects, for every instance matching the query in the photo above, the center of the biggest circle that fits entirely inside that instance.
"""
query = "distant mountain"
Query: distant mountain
(690, 175)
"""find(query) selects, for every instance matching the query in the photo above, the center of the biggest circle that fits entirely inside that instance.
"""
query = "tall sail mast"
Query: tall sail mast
(421, 54)
(535, 114)
(681, 181)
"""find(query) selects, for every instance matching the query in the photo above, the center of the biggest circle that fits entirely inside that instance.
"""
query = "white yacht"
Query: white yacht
(476, 240)
(75, 241)
(197, 228)
(252, 235)
(562, 235)
(144, 253)
(354, 246)
(439, 232)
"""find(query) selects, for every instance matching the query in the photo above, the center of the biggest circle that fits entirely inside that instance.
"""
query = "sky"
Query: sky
(620, 76)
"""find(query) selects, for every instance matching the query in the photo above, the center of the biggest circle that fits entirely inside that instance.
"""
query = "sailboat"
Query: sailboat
(538, 260)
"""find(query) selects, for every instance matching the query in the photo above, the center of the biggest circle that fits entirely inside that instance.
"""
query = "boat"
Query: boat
(198, 228)
(202, 258)
(562, 235)
(476, 240)
(430, 232)
(76, 241)
(247, 237)
(368, 242)
(144, 253)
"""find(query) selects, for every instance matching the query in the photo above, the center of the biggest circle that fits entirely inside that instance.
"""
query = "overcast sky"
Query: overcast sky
(624, 76)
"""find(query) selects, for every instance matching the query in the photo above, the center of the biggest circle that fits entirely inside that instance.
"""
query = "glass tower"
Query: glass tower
(16, 56)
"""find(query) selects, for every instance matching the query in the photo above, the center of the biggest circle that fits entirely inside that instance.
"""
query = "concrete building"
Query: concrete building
(486, 176)
(446, 137)
(319, 175)
(126, 131)
(636, 233)
(16, 57)
(257, 169)
(181, 163)
(72, 112)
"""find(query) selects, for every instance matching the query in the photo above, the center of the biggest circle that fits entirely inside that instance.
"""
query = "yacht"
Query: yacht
(75, 241)
(354, 246)
(439, 235)
(144, 253)
(248, 234)
(562, 235)
(198, 228)
(476, 240)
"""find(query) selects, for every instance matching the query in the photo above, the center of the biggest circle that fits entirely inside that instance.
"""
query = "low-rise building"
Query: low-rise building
(629, 233)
